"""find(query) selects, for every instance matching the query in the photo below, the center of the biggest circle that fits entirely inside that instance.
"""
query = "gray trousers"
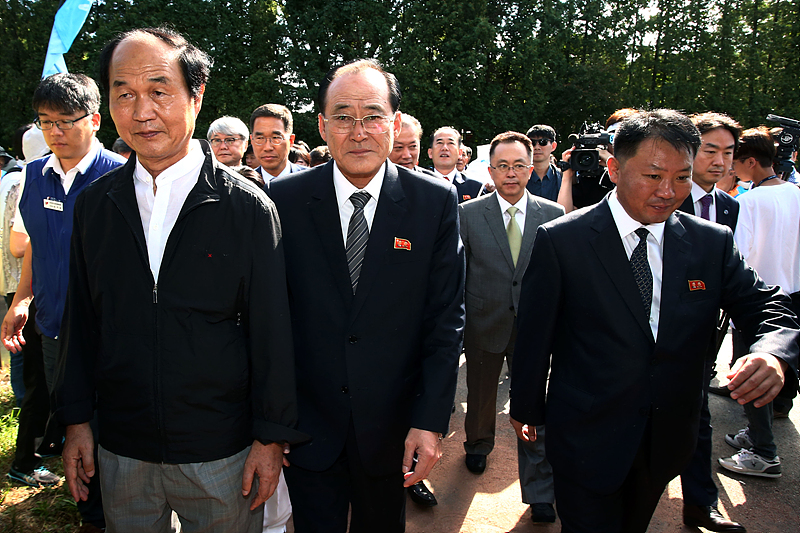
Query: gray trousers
(140, 497)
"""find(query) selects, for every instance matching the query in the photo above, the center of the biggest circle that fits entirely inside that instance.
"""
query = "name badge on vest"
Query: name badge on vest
(55, 205)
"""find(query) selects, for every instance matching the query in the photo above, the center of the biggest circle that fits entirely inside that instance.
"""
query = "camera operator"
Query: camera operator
(545, 180)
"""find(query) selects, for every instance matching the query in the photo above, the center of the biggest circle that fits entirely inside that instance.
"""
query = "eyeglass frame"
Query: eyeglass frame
(62, 125)
(225, 141)
(511, 167)
(271, 139)
(387, 119)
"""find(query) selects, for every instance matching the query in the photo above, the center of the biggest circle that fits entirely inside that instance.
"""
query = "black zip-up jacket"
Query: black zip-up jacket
(197, 367)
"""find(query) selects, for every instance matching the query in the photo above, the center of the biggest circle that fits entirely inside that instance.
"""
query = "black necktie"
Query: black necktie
(641, 271)
(357, 236)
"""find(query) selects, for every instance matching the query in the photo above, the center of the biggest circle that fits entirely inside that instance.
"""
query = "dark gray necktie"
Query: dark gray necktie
(641, 271)
(357, 236)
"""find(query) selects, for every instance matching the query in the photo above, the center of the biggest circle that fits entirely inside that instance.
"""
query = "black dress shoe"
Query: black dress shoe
(709, 518)
(476, 463)
(421, 495)
(543, 513)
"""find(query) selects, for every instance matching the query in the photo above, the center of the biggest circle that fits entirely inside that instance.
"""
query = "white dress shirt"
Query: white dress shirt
(655, 250)
(519, 216)
(344, 189)
(449, 177)
(67, 178)
(697, 195)
(159, 211)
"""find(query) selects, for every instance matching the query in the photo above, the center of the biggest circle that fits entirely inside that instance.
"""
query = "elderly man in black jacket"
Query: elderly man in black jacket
(177, 322)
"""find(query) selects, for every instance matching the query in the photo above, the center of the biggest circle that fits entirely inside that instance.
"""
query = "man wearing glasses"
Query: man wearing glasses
(375, 270)
(546, 178)
(272, 138)
(228, 137)
(67, 107)
(498, 232)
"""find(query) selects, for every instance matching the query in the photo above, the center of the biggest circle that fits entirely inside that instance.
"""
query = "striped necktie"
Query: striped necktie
(357, 236)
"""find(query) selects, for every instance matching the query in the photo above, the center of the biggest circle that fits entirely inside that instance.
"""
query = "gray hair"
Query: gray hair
(228, 126)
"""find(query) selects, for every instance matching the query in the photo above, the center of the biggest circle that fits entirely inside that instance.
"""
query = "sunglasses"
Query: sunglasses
(541, 142)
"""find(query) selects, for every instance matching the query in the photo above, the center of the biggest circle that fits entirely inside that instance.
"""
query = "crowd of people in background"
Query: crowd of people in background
(243, 315)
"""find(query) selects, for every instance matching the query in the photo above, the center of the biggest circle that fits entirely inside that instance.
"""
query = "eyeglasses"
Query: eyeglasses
(46, 125)
(371, 123)
(275, 140)
(519, 167)
(541, 142)
(227, 140)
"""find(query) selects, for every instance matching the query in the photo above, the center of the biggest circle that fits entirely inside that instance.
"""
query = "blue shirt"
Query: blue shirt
(546, 187)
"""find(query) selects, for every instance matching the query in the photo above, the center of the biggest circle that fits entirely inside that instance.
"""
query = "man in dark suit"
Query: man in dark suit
(375, 270)
(498, 246)
(405, 148)
(444, 151)
(628, 311)
(719, 135)
(272, 136)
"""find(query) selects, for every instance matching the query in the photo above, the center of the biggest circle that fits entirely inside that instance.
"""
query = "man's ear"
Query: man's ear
(321, 126)
(613, 168)
(198, 100)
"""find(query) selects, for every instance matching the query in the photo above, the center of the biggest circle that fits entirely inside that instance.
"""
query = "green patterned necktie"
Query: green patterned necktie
(514, 234)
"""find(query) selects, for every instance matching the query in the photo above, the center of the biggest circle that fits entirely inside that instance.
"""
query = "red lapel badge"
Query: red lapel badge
(465, 197)
(402, 244)
(696, 285)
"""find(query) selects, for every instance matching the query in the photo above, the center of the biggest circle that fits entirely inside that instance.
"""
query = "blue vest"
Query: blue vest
(50, 231)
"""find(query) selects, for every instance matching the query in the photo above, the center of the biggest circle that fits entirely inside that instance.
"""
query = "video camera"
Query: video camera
(591, 179)
(788, 143)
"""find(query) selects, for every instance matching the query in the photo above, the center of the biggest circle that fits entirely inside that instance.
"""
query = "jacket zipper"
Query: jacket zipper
(157, 376)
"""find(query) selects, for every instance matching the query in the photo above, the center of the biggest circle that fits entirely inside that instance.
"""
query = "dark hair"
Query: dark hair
(706, 122)
(438, 131)
(249, 173)
(298, 152)
(661, 124)
(195, 64)
(319, 155)
(353, 67)
(510, 137)
(19, 133)
(275, 111)
(121, 147)
(619, 115)
(542, 130)
(758, 143)
(68, 93)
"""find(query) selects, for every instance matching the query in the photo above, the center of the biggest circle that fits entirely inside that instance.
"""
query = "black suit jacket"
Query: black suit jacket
(610, 380)
(468, 188)
(387, 357)
(727, 208)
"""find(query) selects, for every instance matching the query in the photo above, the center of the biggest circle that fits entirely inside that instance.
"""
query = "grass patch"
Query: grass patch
(27, 509)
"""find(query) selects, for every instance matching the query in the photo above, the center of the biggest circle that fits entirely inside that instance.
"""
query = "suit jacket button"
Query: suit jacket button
(345, 390)
(353, 339)
(514, 283)
(511, 308)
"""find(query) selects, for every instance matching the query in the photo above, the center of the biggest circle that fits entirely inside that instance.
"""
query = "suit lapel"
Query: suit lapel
(677, 252)
(609, 249)
(389, 215)
(494, 221)
(325, 216)
(724, 211)
(533, 219)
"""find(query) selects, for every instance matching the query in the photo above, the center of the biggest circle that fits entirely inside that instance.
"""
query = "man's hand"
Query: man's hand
(428, 447)
(11, 331)
(78, 459)
(756, 376)
(264, 460)
(524, 431)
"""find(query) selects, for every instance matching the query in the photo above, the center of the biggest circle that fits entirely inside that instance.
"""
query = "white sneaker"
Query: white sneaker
(751, 464)
(740, 441)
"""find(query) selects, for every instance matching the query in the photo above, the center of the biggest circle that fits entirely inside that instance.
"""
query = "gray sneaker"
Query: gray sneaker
(41, 477)
(740, 441)
(752, 464)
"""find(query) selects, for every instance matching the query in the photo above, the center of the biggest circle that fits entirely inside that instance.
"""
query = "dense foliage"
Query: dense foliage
(481, 66)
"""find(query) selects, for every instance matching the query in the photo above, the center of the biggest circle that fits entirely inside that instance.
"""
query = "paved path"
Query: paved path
(491, 503)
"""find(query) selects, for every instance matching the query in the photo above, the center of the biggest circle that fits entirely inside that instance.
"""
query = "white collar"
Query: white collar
(627, 225)
(82, 166)
(449, 177)
(698, 193)
(193, 159)
(344, 189)
(521, 204)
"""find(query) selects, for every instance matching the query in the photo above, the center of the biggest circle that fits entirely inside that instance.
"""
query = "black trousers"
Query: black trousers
(627, 510)
(320, 500)
(35, 407)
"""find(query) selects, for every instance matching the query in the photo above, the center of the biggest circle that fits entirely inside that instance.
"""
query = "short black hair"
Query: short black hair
(512, 137)
(663, 124)
(543, 131)
(195, 64)
(68, 93)
(352, 67)
(708, 121)
(274, 111)
(439, 130)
